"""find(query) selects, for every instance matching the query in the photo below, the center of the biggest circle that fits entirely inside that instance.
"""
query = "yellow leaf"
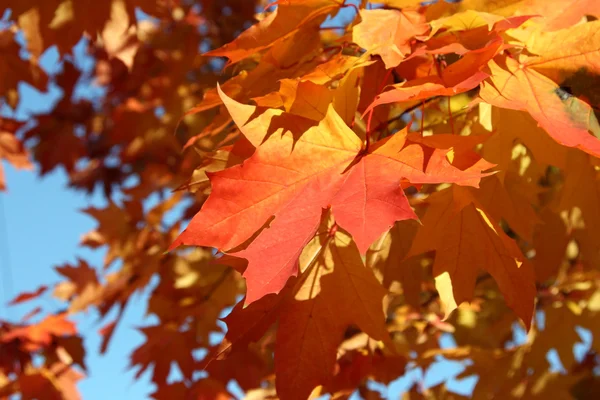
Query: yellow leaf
(565, 52)
(567, 119)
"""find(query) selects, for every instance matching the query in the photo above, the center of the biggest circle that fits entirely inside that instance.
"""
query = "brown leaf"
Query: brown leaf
(23, 297)
(11, 149)
(466, 240)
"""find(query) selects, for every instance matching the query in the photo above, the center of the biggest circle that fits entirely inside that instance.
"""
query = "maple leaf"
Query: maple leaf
(559, 333)
(562, 13)
(508, 199)
(289, 16)
(305, 99)
(388, 33)
(109, 232)
(246, 325)
(64, 22)
(490, 361)
(471, 19)
(335, 282)
(557, 14)
(550, 241)
(362, 189)
(290, 192)
(335, 69)
(82, 287)
(334, 82)
(565, 52)
(11, 149)
(356, 366)
(467, 239)
(464, 75)
(463, 32)
(567, 119)
(119, 34)
(375, 77)
(282, 61)
(39, 335)
(70, 350)
(34, 18)
(580, 194)
(511, 128)
(164, 345)
(197, 288)
(307, 337)
(38, 386)
(56, 382)
(62, 146)
(14, 69)
(222, 158)
(23, 297)
(387, 258)
(247, 366)
(570, 58)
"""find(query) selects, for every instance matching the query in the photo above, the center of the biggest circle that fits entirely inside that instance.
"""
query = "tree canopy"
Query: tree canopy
(333, 185)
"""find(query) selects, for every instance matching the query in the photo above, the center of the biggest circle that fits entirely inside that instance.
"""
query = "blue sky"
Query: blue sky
(44, 226)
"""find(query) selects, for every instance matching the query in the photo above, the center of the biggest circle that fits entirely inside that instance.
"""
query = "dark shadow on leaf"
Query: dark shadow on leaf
(582, 87)
(586, 86)
(287, 122)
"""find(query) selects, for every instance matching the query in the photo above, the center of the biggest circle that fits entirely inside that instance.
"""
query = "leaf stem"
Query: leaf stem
(368, 133)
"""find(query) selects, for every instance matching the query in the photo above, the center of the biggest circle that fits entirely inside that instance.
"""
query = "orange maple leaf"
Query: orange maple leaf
(165, 345)
(298, 170)
(567, 119)
(389, 33)
(335, 291)
(466, 240)
(461, 76)
(37, 336)
(289, 16)
(11, 149)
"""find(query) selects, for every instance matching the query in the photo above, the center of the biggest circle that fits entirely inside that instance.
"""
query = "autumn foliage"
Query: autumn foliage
(334, 185)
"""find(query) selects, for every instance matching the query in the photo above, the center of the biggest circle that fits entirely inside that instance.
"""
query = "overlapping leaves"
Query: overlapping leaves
(421, 170)
(362, 188)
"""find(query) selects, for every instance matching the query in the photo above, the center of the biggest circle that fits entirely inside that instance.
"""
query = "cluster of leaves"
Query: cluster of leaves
(419, 170)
